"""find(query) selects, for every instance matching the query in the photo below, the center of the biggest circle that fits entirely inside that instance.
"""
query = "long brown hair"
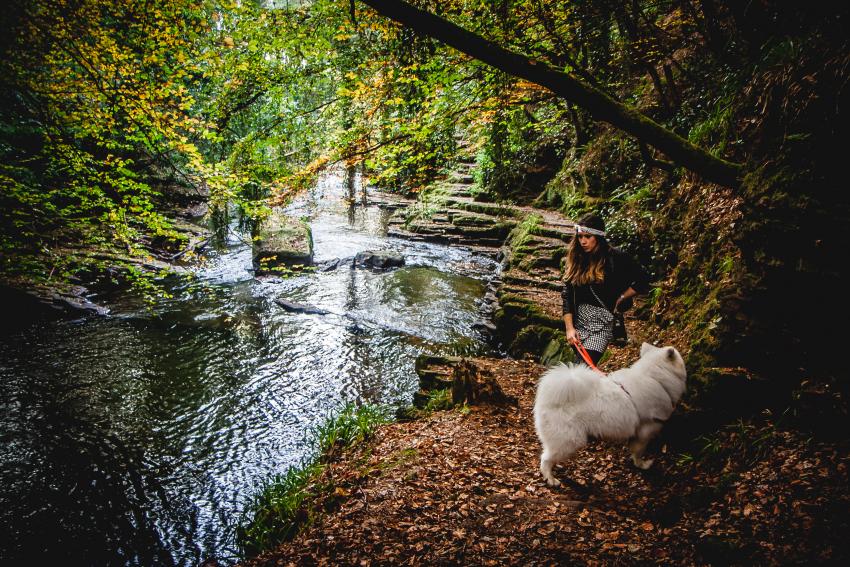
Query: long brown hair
(584, 268)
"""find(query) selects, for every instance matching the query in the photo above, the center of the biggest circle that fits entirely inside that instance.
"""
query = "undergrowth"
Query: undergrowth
(524, 230)
(279, 509)
(742, 442)
(427, 204)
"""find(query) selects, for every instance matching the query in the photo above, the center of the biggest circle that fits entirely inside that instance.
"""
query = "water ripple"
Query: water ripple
(139, 439)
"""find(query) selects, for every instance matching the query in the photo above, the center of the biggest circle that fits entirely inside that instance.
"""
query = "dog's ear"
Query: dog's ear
(645, 348)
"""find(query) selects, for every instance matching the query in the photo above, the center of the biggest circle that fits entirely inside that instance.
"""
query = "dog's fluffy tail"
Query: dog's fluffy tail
(564, 385)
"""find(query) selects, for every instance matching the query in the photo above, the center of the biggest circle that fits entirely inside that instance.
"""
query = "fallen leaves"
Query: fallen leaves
(473, 496)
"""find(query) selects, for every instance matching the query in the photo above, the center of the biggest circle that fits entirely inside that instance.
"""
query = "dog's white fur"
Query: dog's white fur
(575, 403)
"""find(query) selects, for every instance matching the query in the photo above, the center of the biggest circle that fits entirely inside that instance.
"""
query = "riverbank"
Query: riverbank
(140, 437)
(97, 273)
(462, 486)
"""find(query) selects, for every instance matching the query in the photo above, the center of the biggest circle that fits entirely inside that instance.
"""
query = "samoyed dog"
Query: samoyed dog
(575, 403)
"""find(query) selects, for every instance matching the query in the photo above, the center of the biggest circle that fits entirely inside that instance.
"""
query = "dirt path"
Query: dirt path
(460, 488)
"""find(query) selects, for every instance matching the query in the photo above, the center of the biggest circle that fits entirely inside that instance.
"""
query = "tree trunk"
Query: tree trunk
(659, 88)
(600, 105)
(675, 99)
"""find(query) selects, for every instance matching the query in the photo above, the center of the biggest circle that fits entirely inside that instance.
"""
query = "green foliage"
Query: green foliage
(715, 129)
(277, 511)
(438, 400)
(352, 425)
(94, 103)
(112, 110)
(281, 506)
(518, 142)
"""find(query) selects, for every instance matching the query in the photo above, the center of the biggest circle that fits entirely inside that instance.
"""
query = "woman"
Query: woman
(599, 280)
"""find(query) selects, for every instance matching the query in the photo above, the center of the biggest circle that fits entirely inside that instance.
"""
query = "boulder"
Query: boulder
(282, 241)
(378, 260)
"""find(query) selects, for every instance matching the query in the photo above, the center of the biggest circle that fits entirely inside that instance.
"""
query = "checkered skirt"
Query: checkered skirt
(594, 326)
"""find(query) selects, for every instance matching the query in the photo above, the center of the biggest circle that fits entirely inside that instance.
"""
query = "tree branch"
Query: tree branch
(600, 105)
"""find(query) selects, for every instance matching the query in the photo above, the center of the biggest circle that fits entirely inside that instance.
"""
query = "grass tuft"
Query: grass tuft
(281, 506)
(352, 425)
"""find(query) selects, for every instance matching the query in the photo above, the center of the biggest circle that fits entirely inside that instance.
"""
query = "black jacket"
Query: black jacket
(621, 273)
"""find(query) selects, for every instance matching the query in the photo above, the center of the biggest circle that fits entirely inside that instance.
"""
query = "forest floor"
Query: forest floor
(462, 486)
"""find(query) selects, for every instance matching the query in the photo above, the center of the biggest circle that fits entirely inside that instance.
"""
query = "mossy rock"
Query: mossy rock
(282, 241)
(466, 219)
(495, 210)
(497, 230)
(552, 233)
(515, 313)
(434, 379)
(549, 346)
(541, 258)
(423, 361)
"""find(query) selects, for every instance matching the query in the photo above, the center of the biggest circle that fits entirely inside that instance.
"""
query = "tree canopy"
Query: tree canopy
(113, 111)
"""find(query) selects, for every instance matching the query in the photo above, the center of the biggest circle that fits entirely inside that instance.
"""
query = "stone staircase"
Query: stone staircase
(452, 214)
(530, 243)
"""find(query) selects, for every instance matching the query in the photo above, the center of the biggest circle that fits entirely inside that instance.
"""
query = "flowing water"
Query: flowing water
(137, 439)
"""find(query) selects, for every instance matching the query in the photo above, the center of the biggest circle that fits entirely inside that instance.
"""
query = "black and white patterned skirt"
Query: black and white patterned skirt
(594, 326)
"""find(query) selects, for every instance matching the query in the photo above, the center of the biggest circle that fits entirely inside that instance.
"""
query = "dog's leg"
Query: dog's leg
(638, 443)
(546, 464)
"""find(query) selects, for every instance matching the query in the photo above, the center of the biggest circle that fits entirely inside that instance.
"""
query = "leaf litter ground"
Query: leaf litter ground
(461, 487)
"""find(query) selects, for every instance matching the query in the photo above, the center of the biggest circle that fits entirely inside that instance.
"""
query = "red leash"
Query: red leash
(586, 356)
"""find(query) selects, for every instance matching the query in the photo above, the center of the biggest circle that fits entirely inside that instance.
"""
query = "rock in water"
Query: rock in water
(283, 241)
(378, 260)
(294, 307)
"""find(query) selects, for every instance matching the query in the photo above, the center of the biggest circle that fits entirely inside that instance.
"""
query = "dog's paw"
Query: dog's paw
(644, 464)
(553, 482)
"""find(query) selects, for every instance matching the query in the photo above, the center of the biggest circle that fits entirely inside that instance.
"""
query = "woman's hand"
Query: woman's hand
(572, 337)
(620, 299)
(626, 297)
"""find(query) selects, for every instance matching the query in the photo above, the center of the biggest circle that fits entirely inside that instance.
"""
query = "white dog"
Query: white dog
(575, 403)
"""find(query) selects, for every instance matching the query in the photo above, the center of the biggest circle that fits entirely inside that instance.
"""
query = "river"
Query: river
(138, 438)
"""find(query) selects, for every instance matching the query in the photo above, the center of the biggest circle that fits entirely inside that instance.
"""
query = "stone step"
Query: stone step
(440, 237)
(494, 243)
(495, 231)
(485, 208)
(552, 232)
(401, 233)
(530, 282)
(461, 178)
(467, 218)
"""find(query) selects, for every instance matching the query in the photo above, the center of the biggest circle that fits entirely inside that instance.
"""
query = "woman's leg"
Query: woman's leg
(594, 356)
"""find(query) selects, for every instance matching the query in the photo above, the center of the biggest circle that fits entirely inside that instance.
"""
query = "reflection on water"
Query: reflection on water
(138, 439)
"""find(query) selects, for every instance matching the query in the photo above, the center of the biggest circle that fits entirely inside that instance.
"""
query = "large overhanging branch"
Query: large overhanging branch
(599, 104)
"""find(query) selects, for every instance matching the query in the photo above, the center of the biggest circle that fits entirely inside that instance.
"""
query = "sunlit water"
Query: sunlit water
(138, 439)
